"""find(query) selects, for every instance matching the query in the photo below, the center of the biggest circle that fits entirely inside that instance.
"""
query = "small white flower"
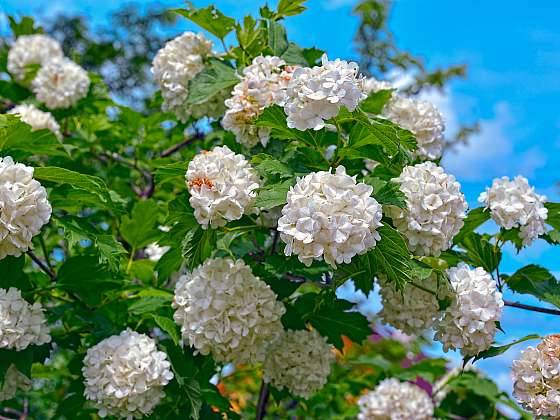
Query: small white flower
(469, 324)
(125, 375)
(154, 252)
(435, 210)
(21, 324)
(223, 309)
(264, 83)
(515, 204)
(14, 380)
(316, 94)
(31, 49)
(421, 118)
(24, 207)
(329, 215)
(222, 185)
(60, 83)
(175, 65)
(299, 361)
(372, 85)
(394, 400)
(37, 119)
(536, 378)
(411, 310)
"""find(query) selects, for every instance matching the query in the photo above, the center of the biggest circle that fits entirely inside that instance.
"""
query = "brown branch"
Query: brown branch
(264, 393)
(177, 147)
(531, 308)
(42, 265)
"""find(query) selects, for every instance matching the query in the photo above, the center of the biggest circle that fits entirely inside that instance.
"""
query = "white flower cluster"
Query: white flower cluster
(396, 400)
(515, 204)
(60, 83)
(421, 118)
(316, 94)
(264, 83)
(411, 310)
(536, 378)
(29, 50)
(223, 309)
(125, 375)
(25, 207)
(299, 361)
(175, 65)
(222, 185)
(435, 210)
(21, 324)
(13, 380)
(469, 324)
(372, 85)
(37, 119)
(329, 215)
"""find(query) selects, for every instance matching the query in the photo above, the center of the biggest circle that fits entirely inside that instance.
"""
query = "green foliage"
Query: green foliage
(211, 81)
(210, 19)
(537, 281)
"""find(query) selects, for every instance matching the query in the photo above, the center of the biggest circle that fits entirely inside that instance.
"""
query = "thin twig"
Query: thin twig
(532, 308)
(42, 265)
(45, 252)
(177, 147)
(146, 192)
(274, 242)
(264, 393)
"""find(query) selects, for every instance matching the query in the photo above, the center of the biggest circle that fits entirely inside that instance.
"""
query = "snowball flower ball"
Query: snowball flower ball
(24, 207)
(514, 203)
(331, 216)
(13, 380)
(60, 83)
(223, 309)
(435, 209)
(316, 94)
(264, 83)
(421, 118)
(37, 119)
(411, 310)
(21, 324)
(372, 85)
(222, 185)
(469, 324)
(536, 378)
(125, 375)
(175, 65)
(299, 361)
(29, 50)
(396, 400)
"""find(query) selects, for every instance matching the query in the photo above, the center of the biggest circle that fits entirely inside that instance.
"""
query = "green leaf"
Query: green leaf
(497, 350)
(89, 183)
(13, 92)
(168, 325)
(84, 276)
(17, 137)
(149, 304)
(273, 195)
(474, 219)
(140, 228)
(169, 264)
(26, 26)
(296, 55)
(197, 246)
(290, 7)
(274, 117)
(537, 281)
(214, 79)
(267, 165)
(22, 360)
(391, 257)
(391, 135)
(12, 274)
(375, 102)
(110, 250)
(480, 252)
(209, 18)
(390, 194)
(553, 217)
(332, 318)
(277, 38)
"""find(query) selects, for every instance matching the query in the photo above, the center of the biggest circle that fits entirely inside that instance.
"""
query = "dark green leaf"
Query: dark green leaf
(497, 350)
(149, 304)
(210, 19)
(375, 102)
(537, 281)
(267, 165)
(168, 325)
(214, 79)
(140, 228)
(474, 219)
(18, 137)
(273, 195)
(197, 246)
(480, 252)
(390, 194)
(290, 7)
(277, 39)
(12, 275)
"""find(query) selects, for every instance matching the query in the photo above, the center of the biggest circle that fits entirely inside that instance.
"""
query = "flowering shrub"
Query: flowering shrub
(148, 252)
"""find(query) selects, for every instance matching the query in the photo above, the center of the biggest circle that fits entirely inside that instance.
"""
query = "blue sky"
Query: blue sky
(512, 88)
